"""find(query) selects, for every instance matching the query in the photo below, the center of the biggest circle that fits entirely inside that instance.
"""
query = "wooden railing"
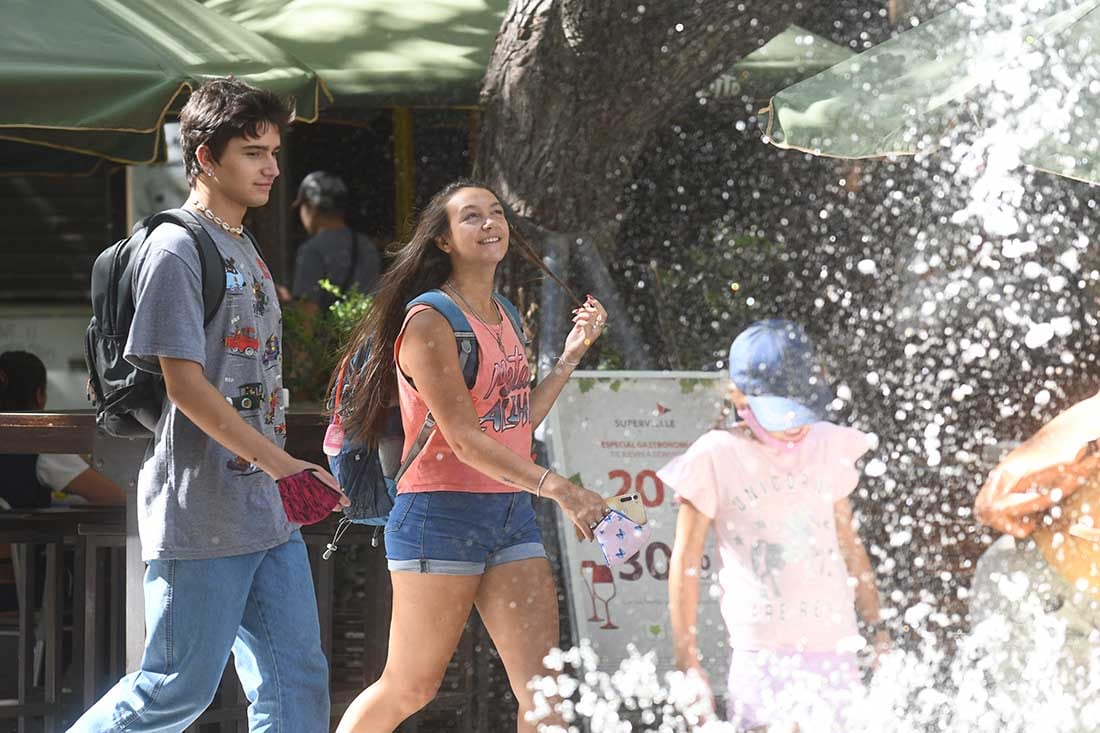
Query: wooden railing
(354, 632)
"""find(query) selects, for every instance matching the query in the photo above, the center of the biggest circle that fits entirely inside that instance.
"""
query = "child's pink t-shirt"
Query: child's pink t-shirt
(784, 582)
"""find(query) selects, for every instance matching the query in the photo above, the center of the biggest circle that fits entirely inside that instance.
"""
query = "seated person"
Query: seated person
(30, 481)
(333, 251)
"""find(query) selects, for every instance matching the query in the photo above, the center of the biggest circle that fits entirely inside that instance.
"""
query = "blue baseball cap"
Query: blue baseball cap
(773, 363)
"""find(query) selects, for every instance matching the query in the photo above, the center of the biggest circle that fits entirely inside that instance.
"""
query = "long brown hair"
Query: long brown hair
(418, 266)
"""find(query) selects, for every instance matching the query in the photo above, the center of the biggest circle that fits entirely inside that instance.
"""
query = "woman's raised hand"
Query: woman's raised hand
(589, 322)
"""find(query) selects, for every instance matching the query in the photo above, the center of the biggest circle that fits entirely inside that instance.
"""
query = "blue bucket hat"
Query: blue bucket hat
(773, 363)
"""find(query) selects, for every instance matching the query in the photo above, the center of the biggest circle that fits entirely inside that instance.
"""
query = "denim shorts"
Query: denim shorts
(460, 532)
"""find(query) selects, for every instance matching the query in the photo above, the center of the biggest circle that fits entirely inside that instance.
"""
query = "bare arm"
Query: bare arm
(190, 391)
(546, 392)
(96, 488)
(683, 583)
(1071, 429)
(434, 367)
(588, 324)
(858, 563)
(1059, 441)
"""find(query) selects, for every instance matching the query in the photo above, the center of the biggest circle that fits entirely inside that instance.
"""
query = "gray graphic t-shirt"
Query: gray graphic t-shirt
(196, 499)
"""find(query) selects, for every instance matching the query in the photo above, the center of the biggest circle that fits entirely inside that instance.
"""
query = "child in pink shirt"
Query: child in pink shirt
(791, 567)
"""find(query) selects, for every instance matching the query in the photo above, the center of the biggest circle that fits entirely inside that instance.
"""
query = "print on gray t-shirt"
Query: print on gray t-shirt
(196, 499)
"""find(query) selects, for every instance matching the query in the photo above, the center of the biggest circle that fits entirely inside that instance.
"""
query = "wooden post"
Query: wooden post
(130, 214)
(404, 170)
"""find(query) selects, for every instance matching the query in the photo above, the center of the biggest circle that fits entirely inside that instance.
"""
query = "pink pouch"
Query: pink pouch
(306, 498)
(620, 537)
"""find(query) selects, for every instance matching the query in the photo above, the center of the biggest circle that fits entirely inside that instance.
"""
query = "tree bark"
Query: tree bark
(576, 88)
(552, 325)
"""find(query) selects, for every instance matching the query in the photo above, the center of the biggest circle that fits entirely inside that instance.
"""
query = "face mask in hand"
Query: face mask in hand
(306, 498)
(620, 537)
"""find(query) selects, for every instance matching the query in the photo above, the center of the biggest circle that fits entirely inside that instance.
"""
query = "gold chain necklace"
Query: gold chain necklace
(235, 231)
(497, 334)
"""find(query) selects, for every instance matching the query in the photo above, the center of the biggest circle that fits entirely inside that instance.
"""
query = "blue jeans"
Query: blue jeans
(260, 606)
(460, 532)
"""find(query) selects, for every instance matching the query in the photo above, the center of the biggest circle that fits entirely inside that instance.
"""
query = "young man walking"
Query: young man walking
(226, 570)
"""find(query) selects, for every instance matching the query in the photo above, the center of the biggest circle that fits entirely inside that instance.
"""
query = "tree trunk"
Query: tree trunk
(552, 324)
(575, 89)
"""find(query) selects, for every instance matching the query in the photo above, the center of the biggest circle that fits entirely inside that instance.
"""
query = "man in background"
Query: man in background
(333, 251)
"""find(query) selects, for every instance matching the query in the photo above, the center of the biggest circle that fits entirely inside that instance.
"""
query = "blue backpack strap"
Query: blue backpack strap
(513, 315)
(464, 333)
(422, 437)
(467, 360)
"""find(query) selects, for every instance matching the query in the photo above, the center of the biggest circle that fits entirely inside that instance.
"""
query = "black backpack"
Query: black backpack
(129, 400)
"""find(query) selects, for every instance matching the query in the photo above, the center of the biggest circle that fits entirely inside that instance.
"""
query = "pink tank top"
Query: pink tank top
(502, 399)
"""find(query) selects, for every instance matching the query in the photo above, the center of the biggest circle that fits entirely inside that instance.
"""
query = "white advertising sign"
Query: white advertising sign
(611, 432)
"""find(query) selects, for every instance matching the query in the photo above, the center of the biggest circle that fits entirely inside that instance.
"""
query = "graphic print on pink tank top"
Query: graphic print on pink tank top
(502, 400)
(509, 389)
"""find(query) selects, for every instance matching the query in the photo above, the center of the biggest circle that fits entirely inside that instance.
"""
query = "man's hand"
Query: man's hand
(1027, 483)
(291, 465)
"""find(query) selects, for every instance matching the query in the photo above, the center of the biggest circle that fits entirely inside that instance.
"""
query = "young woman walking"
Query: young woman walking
(462, 532)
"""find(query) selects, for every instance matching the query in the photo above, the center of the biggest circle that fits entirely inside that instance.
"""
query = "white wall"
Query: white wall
(56, 334)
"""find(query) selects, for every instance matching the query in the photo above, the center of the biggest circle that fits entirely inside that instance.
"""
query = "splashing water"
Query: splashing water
(988, 684)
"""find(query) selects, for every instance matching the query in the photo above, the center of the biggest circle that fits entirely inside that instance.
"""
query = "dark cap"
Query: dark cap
(323, 190)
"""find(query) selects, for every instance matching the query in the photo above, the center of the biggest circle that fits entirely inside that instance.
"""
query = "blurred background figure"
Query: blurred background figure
(774, 486)
(33, 481)
(333, 250)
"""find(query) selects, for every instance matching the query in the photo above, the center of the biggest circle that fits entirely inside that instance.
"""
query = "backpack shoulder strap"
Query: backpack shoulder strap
(255, 242)
(210, 259)
(353, 265)
(464, 333)
(513, 315)
(422, 438)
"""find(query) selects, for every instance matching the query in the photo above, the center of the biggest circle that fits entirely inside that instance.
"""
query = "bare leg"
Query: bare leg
(519, 605)
(429, 612)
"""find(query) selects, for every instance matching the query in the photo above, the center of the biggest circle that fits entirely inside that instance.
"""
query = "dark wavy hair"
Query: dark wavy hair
(22, 377)
(222, 109)
(419, 266)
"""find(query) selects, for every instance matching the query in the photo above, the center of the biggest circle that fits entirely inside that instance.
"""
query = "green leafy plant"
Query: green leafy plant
(716, 289)
(313, 341)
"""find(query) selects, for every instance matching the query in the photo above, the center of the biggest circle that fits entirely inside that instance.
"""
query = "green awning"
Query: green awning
(1037, 80)
(382, 52)
(97, 77)
(20, 159)
(786, 59)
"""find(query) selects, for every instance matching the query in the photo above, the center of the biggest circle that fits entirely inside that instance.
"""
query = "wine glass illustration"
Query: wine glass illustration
(588, 568)
(603, 586)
